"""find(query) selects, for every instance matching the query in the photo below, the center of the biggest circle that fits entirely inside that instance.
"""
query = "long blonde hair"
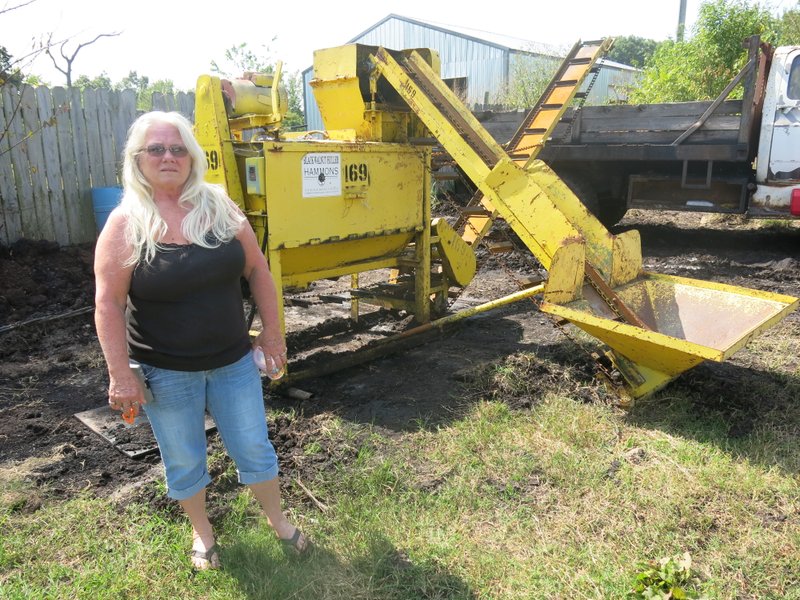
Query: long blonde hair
(210, 209)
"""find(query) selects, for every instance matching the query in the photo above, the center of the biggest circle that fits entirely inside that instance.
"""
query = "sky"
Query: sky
(178, 39)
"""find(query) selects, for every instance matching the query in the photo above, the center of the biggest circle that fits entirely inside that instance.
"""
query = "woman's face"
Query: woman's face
(164, 169)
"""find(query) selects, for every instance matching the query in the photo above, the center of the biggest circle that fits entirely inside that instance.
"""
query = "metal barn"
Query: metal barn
(478, 69)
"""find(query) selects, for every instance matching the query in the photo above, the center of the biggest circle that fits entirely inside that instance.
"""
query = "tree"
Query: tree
(527, 80)
(102, 81)
(132, 81)
(66, 67)
(239, 59)
(700, 68)
(10, 69)
(8, 72)
(790, 27)
(295, 118)
(632, 50)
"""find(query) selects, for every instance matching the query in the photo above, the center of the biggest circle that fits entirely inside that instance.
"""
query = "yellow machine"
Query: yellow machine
(358, 199)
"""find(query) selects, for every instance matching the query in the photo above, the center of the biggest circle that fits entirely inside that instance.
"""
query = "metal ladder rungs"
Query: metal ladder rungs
(499, 247)
(475, 211)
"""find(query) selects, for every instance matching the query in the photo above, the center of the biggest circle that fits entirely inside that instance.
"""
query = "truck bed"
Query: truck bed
(649, 132)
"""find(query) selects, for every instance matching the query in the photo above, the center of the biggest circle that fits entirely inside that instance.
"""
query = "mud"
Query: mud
(51, 366)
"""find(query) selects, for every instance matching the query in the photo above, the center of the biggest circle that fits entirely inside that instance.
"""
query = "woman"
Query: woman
(168, 265)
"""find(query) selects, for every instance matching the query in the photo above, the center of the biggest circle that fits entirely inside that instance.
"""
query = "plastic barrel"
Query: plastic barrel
(104, 200)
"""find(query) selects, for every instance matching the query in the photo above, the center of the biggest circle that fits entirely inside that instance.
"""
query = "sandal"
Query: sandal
(206, 561)
(298, 543)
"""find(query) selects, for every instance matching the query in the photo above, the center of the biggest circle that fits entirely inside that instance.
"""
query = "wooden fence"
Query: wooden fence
(55, 146)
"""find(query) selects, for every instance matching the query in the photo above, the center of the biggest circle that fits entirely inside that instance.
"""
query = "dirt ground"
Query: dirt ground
(51, 366)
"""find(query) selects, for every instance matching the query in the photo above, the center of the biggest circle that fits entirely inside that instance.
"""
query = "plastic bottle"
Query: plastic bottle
(267, 365)
(131, 415)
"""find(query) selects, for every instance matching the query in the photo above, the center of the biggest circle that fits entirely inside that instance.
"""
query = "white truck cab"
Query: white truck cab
(778, 162)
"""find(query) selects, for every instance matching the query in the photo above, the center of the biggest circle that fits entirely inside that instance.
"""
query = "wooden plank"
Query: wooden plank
(564, 154)
(640, 138)
(12, 103)
(185, 104)
(673, 124)
(673, 109)
(159, 103)
(11, 223)
(80, 145)
(29, 108)
(66, 158)
(52, 165)
(110, 160)
(124, 117)
(95, 152)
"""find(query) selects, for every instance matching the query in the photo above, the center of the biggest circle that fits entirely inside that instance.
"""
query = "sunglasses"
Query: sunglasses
(160, 150)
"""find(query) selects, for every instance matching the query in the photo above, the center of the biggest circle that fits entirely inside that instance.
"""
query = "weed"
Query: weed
(667, 578)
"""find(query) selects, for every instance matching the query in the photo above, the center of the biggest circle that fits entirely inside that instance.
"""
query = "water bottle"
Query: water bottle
(131, 415)
(267, 365)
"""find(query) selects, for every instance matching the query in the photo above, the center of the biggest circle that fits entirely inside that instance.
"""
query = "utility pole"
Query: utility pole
(681, 21)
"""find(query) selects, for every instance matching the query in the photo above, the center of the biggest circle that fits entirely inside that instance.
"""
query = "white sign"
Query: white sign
(322, 174)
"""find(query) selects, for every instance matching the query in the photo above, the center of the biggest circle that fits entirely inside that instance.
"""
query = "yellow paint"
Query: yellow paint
(356, 197)
(691, 321)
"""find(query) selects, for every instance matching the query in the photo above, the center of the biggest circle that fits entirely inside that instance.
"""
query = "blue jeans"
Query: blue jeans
(233, 397)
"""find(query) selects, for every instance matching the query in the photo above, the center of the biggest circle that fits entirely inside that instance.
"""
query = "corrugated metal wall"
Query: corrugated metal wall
(486, 66)
(482, 64)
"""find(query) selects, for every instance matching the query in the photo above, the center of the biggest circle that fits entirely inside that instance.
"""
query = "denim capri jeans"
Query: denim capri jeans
(234, 398)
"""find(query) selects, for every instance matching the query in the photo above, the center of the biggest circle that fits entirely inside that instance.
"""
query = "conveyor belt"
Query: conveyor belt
(488, 154)
(545, 115)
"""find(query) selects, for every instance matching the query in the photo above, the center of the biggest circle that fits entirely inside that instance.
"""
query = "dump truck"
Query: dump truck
(722, 156)
(356, 198)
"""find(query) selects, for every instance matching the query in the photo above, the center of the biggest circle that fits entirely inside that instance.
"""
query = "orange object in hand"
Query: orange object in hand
(129, 416)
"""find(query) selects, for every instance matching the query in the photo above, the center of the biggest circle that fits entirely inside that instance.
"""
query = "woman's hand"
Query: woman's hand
(125, 393)
(274, 347)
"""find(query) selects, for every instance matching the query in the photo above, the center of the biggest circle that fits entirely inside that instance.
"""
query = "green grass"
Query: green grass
(564, 499)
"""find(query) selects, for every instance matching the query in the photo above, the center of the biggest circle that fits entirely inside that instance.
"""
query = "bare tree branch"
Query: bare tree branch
(69, 59)
(9, 9)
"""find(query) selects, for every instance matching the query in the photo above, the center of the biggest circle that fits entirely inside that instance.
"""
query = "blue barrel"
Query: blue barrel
(104, 200)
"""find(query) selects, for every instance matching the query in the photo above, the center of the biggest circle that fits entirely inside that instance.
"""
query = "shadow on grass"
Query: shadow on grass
(747, 412)
(380, 570)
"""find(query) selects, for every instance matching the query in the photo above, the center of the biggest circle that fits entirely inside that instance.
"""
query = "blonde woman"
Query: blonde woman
(168, 265)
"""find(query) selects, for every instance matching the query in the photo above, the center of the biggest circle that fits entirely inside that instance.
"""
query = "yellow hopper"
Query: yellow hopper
(686, 322)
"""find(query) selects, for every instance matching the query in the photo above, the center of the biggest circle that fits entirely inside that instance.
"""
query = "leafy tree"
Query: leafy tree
(632, 50)
(295, 118)
(790, 27)
(102, 81)
(132, 81)
(8, 73)
(700, 68)
(144, 89)
(527, 80)
(240, 58)
(34, 80)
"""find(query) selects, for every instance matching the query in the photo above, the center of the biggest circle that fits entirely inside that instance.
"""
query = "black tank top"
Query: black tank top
(185, 308)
